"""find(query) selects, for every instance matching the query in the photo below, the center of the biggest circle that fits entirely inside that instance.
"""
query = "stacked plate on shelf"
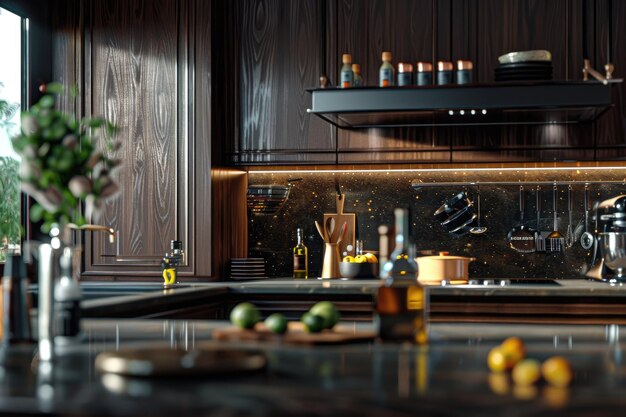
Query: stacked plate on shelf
(247, 268)
(525, 66)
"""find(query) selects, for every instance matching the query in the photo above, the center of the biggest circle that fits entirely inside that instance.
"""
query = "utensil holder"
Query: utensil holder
(330, 268)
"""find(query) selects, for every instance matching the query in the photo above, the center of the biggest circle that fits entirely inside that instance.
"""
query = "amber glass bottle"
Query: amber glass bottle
(401, 301)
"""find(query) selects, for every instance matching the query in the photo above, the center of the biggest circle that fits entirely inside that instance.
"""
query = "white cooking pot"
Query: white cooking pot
(434, 269)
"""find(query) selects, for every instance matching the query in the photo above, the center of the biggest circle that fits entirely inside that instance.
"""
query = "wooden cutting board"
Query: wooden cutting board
(295, 335)
(341, 218)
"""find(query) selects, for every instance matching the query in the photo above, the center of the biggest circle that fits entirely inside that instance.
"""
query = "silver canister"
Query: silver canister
(424, 73)
(405, 74)
(444, 72)
(464, 72)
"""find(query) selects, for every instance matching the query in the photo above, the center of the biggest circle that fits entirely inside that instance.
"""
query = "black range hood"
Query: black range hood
(463, 105)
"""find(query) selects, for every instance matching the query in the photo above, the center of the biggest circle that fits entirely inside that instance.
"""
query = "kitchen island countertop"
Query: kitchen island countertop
(586, 301)
(449, 377)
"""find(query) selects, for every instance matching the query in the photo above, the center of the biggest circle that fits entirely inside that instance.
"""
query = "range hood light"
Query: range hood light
(451, 112)
(473, 112)
(484, 111)
(462, 112)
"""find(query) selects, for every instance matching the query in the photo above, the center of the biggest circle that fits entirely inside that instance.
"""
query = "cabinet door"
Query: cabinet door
(275, 55)
(405, 28)
(143, 71)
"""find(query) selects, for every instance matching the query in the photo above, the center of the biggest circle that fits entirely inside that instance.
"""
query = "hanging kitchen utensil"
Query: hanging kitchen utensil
(586, 240)
(478, 229)
(268, 199)
(521, 238)
(341, 218)
(540, 242)
(554, 241)
(569, 234)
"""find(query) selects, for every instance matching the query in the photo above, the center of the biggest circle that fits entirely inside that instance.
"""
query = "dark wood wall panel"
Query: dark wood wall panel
(405, 28)
(611, 129)
(201, 230)
(134, 82)
(280, 57)
(503, 26)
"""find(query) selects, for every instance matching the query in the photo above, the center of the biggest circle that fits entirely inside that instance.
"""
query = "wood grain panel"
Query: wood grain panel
(134, 78)
(611, 128)
(406, 29)
(280, 49)
(505, 26)
(200, 151)
(229, 218)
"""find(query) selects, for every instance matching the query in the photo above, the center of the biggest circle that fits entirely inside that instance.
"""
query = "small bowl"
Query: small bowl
(354, 270)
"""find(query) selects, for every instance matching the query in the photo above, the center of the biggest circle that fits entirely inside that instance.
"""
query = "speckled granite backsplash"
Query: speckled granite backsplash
(374, 195)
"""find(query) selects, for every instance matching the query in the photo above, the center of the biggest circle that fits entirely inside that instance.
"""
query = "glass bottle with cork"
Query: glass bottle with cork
(300, 257)
(401, 312)
(387, 72)
(347, 76)
(358, 79)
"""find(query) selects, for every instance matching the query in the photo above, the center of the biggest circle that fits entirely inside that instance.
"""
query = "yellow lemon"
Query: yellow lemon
(526, 372)
(557, 371)
(360, 259)
(514, 351)
(496, 360)
(371, 258)
(348, 258)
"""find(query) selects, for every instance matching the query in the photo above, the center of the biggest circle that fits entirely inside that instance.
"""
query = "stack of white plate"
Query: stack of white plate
(247, 268)
(525, 66)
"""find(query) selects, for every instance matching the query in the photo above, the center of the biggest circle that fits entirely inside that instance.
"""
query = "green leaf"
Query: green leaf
(46, 101)
(36, 212)
(54, 88)
(95, 123)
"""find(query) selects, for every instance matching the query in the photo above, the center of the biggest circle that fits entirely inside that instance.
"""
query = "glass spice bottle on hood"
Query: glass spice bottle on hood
(386, 73)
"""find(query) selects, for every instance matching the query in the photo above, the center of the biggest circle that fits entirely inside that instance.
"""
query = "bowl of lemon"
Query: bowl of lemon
(359, 267)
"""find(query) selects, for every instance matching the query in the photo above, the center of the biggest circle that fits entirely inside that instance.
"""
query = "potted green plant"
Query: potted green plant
(61, 163)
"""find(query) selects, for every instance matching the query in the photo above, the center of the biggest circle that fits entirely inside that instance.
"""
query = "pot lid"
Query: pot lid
(444, 256)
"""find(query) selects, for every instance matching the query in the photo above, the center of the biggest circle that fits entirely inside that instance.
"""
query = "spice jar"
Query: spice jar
(405, 74)
(464, 72)
(444, 72)
(424, 73)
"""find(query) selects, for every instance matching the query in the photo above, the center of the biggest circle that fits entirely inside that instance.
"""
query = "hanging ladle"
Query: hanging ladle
(478, 229)
(586, 240)
(555, 238)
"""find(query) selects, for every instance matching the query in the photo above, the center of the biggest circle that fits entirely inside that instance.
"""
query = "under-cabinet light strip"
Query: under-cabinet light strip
(334, 171)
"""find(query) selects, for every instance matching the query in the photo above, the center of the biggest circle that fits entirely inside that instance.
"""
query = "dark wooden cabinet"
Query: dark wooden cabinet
(270, 54)
(146, 66)
(271, 124)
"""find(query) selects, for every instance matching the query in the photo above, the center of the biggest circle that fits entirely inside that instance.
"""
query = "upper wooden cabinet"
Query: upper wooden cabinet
(272, 63)
(146, 66)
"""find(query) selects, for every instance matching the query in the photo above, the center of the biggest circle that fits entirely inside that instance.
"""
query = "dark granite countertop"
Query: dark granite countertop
(151, 297)
(449, 377)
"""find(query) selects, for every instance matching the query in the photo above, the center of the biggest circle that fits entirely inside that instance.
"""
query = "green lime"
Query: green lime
(327, 311)
(276, 323)
(312, 323)
(245, 315)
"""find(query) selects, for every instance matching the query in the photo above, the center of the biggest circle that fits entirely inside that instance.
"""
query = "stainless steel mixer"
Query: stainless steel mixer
(610, 241)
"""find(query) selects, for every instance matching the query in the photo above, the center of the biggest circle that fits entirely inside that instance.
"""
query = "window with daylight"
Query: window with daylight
(12, 31)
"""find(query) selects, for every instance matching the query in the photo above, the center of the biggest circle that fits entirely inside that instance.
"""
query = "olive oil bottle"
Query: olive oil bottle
(300, 258)
(401, 312)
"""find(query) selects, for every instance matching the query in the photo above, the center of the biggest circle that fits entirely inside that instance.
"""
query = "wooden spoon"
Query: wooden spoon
(330, 228)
